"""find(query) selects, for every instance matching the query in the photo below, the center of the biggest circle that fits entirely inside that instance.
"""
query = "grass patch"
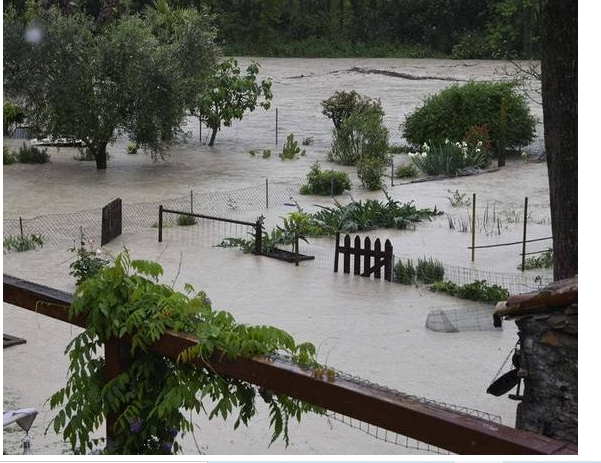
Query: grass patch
(186, 220)
(479, 290)
(23, 243)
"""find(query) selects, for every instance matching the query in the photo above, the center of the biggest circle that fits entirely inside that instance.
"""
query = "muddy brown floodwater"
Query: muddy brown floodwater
(372, 329)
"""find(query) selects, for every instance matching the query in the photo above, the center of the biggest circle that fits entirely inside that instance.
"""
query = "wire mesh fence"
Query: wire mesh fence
(270, 129)
(390, 436)
(458, 319)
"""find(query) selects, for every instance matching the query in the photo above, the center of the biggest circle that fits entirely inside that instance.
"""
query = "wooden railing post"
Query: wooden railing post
(525, 233)
(116, 360)
(161, 223)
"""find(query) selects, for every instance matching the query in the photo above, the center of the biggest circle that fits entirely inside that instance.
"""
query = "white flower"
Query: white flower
(446, 141)
(426, 147)
(412, 155)
(98, 252)
(457, 144)
(464, 144)
(424, 154)
(479, 144)
(478, 150)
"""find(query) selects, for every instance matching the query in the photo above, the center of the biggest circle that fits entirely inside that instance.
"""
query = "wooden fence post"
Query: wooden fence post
(357, 256)
(347, 254)
(296, 257)
(378, 257)
(388, 260)
(21, 228)
(161, 223)
(276, 126)
(266, 193)
(258, 237)
(337, 252)
(367, 255)
(524, 236)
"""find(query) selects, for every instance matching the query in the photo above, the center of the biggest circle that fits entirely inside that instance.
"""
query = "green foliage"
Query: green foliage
(23, 243)
(479, 290)
(342, 105)
(405, 171)
(8, 156)
(327, 183)
(186, 220)
(132, 148)
(404, 272)
(291, 149)
(266, 154)
(451, 113)
(228, 95)
(12, 116)
(458, 199)
(92, 83)
(308, 141)
(360, 135)
(152, 401)
(399, 149)
(32, 155)
(429, 270)
(449, 159)
(85, 155)
(362, 216)
(544, 260)
(370, 171)
(87, 262)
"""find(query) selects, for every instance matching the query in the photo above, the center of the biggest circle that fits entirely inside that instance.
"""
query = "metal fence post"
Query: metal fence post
(266, 193)
(161, 223)
(192, 201)
(276, 126)
(21, 228)
(473, 227)
(392, 171)
(524, 237)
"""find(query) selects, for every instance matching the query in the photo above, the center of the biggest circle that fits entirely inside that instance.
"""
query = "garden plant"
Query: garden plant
(325, 183)
(153, 400)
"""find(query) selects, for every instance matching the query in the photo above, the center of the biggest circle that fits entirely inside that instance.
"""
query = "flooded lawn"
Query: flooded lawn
(372, 329)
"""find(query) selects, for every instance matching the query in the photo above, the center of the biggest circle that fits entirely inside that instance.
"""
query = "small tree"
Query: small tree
(341, 105)
(79, 81)
(229, 94)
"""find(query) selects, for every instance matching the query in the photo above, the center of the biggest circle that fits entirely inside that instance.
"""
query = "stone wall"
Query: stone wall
(549, 368)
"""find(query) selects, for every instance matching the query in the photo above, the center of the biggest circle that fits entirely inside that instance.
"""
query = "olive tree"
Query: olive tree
(229, 94)
(79, 81)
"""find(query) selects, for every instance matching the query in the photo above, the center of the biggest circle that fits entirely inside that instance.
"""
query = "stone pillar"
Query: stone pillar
(549, 368)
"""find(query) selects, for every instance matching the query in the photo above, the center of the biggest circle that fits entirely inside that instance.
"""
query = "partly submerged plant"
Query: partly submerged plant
(152, 400)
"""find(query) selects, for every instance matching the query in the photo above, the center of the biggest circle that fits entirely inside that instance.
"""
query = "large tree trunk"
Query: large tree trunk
(213, 135)
(559, 67)
(98, 150)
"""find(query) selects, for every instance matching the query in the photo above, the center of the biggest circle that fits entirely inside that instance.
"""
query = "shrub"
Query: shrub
(186, 220)
(545, 260)
(429, 270)
(340, 106)
(132, 148)
(12, 115)
(23, 243)
(307, 141)
(452, 112)
(327, 182)
(370, 171)
(32, 155)
(361, 135)
(266, 154)
(479, 290)
(404, 273)
(459, 199)
(290, 149)
(399, 149)
(450, 159)
(87, 262)
(8, 156)
(405, 171)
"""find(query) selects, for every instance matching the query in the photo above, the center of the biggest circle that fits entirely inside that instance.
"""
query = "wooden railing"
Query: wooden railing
(453, 431)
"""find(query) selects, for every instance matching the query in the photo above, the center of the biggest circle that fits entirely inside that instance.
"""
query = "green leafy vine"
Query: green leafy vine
(149, 399)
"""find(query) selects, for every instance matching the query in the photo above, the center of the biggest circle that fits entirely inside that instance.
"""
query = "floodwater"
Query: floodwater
(372, 329)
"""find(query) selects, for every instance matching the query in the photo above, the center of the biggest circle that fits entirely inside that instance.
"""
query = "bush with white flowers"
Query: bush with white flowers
(450, 159)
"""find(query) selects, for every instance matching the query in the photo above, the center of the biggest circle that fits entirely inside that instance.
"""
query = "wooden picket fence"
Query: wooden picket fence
(373, 259)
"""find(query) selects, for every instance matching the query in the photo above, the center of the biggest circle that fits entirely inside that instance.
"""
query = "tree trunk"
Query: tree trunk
(559, 68)
(98, 150)
(213, 135)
